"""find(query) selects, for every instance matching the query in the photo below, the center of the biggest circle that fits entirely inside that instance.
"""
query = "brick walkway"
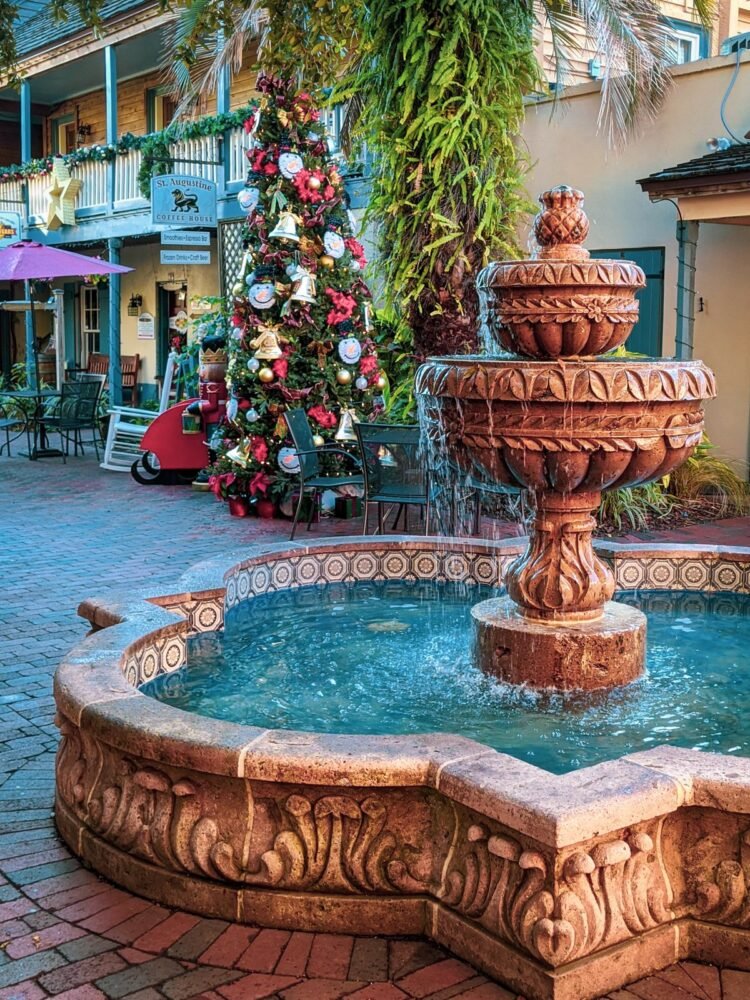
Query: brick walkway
(68, 532)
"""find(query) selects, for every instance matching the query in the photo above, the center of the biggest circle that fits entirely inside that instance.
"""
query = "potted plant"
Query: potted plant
(232, 488)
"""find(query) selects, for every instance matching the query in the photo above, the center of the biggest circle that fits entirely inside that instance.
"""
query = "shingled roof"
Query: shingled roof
(703, 171)
(36, 28)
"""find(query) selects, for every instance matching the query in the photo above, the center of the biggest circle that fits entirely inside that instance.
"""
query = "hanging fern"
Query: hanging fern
(441, 90)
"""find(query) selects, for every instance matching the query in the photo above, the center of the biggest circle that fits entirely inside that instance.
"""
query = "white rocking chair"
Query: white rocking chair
(124, 434)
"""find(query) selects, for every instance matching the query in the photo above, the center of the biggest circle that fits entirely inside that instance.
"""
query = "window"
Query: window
(689, 41)
(90, 323)
(64, 134)
(161, 109)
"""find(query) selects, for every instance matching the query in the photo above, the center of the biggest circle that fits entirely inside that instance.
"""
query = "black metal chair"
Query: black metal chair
(394, 472)
(311, 480)
(6, 422)
(76, 411)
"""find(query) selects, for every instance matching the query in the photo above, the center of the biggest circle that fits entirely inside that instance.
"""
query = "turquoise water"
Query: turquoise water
(396, 658)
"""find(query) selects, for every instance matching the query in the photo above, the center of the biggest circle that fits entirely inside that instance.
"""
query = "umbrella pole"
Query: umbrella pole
(31, 327)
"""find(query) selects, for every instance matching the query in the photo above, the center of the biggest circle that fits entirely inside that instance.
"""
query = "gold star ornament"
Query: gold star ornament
(62, 194)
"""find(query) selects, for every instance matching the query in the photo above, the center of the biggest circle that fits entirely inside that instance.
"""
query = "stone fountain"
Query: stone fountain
(564, 424)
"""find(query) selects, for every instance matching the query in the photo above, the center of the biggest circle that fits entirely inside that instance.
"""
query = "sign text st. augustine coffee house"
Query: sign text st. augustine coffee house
(182, 200)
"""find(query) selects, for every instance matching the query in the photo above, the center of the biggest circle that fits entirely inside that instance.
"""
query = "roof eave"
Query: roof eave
(657, 188)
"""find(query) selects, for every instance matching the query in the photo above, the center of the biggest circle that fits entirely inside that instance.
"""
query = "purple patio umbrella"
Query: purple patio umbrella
(28, 261)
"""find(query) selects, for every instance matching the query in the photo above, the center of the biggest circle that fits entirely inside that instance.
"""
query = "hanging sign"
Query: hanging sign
(181, 200)
(186, 238)
(146, 327)
(185, 257)
(10, 228)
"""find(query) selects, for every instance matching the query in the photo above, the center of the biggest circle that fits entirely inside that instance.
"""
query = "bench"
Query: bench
(98, 364)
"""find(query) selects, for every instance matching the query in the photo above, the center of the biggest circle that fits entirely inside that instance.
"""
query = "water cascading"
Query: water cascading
(563, 423)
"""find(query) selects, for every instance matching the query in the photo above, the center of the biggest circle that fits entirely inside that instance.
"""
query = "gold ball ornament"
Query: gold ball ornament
(343, 377)
(266, 375)
(319, 440)
(314, 183)
(238, 288)
(382, 382)
(326, 260)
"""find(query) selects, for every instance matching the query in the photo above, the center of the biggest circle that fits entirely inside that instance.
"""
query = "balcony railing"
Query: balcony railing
(209, 157)
(200, 157)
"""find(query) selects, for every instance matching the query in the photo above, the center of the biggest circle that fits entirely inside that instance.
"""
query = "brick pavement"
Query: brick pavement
(67, 532)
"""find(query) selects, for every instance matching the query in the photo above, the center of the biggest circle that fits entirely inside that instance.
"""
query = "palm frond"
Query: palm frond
(200, 47)
(633, 40)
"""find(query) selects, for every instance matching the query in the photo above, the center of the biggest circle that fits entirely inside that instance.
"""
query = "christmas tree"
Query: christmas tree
(300, 318)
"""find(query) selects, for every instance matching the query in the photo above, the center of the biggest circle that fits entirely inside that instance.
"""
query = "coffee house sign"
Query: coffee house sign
(182, 200)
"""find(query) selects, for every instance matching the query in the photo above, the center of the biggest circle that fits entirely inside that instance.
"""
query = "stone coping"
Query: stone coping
(565, 886)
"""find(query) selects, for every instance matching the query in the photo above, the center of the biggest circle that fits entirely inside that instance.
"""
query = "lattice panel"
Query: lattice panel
(230, 248)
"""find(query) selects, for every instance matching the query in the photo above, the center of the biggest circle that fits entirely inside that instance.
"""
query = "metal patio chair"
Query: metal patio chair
(311, 480)
(76, 411)
(395, 475)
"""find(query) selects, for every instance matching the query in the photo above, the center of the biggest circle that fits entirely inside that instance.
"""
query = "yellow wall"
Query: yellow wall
(568, 150)
(143, 280)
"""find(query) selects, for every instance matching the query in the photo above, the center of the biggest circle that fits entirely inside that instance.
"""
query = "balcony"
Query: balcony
(111, 188)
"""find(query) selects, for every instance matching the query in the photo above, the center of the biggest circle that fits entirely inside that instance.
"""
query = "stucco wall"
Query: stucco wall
(567, 149)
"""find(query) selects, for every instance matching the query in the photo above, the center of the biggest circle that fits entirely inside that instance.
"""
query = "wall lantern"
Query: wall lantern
(83, 132)
(134, 306)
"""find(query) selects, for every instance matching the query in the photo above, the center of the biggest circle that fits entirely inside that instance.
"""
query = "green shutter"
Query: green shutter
(646, 338)
(103, 319)
(71, 325)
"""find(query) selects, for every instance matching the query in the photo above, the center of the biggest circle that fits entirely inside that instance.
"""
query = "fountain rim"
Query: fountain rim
(92, 690)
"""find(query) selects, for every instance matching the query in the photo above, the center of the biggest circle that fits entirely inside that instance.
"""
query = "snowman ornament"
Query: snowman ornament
(350, 350)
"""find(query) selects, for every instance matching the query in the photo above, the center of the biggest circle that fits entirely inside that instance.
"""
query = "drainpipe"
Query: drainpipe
(687, 245)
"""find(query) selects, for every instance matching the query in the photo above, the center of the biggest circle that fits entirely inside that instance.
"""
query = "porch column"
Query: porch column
(115, 370)
(110, 104)
(223, 102)
(687, 245)
(25, 96)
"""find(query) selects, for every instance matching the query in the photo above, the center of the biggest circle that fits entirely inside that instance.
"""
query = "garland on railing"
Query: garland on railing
(154, 147)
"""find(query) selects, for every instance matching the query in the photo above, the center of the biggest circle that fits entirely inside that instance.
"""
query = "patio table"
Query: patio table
(32, 422)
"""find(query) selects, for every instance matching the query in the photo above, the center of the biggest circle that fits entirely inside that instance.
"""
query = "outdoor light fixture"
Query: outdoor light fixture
(83, 132)
(134, 306)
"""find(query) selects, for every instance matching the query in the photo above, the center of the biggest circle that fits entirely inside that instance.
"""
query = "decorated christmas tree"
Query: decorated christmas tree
(300, 317)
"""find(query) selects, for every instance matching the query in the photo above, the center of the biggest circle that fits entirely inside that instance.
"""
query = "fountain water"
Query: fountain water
(564, 424)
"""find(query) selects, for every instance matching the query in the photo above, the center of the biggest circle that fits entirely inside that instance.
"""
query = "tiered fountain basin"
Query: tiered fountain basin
(564, 887)
(564, 431)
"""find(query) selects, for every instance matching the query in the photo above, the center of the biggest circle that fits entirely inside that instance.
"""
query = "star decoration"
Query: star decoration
(62, 194)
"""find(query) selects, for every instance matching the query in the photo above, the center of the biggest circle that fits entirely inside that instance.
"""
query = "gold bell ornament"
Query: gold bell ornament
(304, 289)
(266, 344)
(240, 454)
(286, 227)
(345, 430)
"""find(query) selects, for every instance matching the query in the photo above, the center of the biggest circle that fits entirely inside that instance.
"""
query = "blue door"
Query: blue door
(646, 337)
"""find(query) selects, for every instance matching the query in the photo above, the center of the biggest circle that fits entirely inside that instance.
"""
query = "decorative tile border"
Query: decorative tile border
(472, 561)
(378, 563)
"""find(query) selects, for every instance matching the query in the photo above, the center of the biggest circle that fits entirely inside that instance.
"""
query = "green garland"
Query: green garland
(154, 147)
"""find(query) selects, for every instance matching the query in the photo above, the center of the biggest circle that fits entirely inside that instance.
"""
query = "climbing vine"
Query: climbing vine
(441, 91)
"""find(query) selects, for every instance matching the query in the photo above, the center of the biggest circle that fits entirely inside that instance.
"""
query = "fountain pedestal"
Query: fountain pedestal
(606, 652)
(564, 425)
(558, 628)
